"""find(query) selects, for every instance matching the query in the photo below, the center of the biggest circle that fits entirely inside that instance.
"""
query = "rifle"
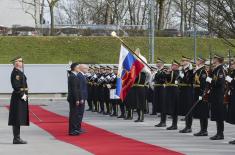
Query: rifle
(227, 88)
(205, 93)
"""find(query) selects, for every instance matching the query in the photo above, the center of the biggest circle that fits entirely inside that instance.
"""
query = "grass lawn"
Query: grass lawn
(55, 50)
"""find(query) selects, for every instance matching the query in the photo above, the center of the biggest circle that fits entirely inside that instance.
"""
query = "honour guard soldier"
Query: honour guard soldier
(150, 92)
(19, 111)
(231, 106)
(201, 110)
(159, 92)
(113, 98)
(216, 96)
(106, 95)
(89, 85)
(186, 92)
(128, 104)
(100, 89)
(94, 88)
(139, 95)
(172, 93)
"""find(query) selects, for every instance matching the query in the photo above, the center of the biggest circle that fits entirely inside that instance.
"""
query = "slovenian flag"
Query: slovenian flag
(129, 68)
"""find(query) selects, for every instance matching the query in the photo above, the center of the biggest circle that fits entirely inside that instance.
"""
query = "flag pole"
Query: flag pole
(123, 43)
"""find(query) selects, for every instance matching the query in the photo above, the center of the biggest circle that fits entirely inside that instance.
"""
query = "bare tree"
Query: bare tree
(218, 17)
(52, 4)
(30, 7)
(161, 14)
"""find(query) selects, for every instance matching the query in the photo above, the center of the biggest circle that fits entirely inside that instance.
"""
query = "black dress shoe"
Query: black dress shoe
(138, 120)
(186, 130)
(101, 112)
(161, 125)
(128, 118)
(88, 110)
(217, 137)
(121, 116)
(201, 133)
(74, 134)
(19, 141)
(113, 115)
(81, 131)
(232, 142)
(173, 127)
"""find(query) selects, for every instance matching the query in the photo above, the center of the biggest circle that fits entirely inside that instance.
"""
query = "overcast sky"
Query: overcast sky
(12, 13)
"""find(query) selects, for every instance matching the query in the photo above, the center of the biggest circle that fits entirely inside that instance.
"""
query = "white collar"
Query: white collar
(75, 73)
(82, 73)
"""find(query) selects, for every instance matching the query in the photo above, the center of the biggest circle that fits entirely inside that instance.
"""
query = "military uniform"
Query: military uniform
(100, 92)
(172, 96)
(128, 102)
(218, 108)
(139, 96)
(106, 93)
(19, 110)
(159, 96)
(186, 96)
(201, 111)
(231, 106)
(89, 87)
(94, 90)
(114, 101)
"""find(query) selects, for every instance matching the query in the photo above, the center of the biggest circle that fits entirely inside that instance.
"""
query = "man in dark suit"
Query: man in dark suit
(83, 93)
(77, 94)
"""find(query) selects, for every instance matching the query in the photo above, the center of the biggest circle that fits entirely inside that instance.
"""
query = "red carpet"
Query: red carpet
(96, 140)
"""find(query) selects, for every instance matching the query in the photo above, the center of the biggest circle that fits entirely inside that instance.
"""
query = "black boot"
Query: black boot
(217, 137)
(174, 123)
(163, 121)
(121, 116)
(188, 124)
(129, 115)
(204, 124)
(16, 133)
(186, 130)
(220, 131)
(232, 142)
(139, 115)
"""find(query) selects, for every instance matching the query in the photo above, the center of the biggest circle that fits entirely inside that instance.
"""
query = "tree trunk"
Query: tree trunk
(161, 15)
(182, 18)
(52, 20)
(209, 18)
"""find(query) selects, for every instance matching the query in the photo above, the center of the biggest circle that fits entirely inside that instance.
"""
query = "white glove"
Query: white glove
(229, 79)
(190, 67)
(181, 74)
(24, 97)
(151, 85)
(108, 86)
(176, 82)
(208, 79)
(200, 98)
